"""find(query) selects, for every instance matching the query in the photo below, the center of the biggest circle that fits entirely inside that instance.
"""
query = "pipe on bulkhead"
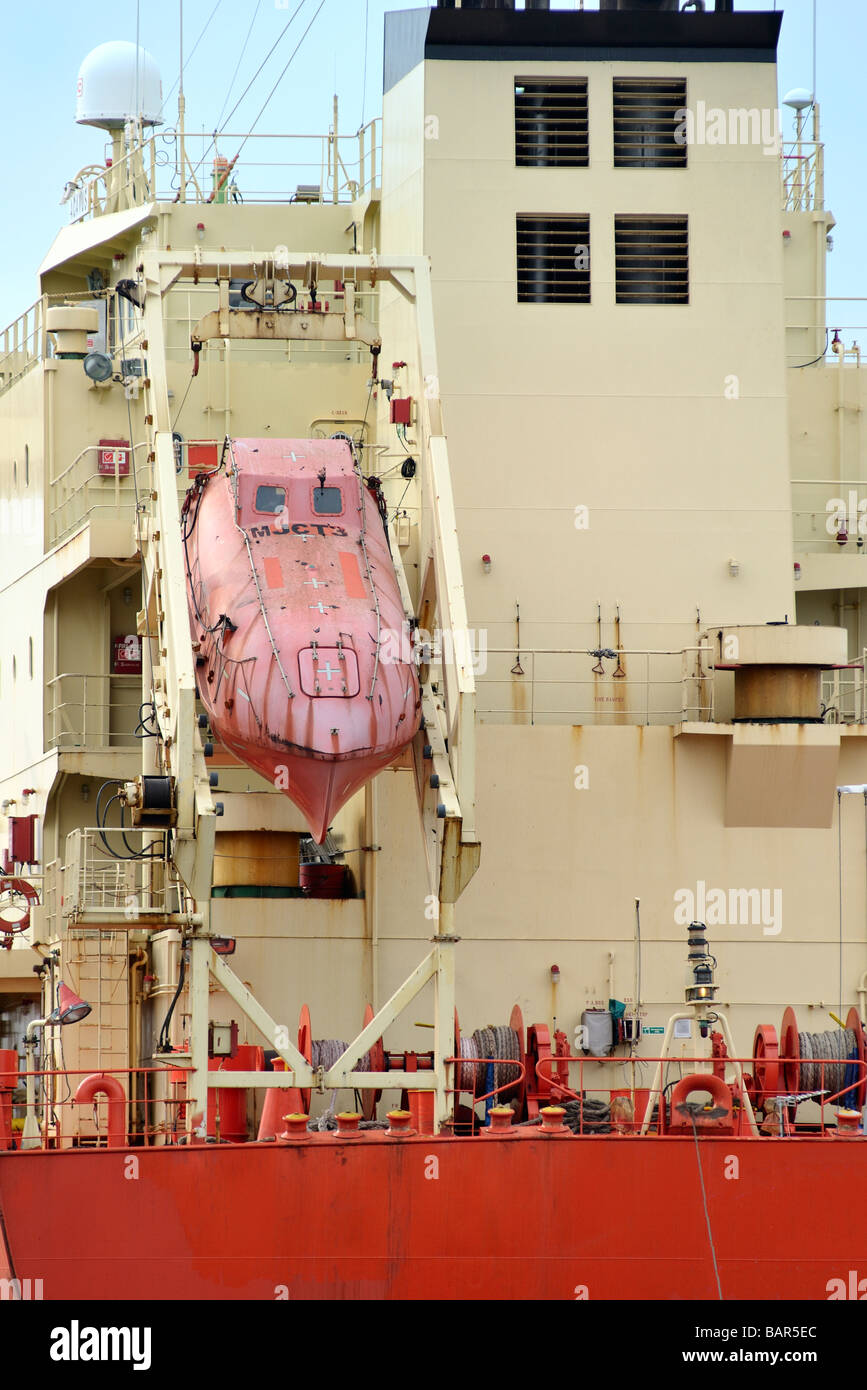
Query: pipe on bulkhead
(98, 1084)
(136, 998)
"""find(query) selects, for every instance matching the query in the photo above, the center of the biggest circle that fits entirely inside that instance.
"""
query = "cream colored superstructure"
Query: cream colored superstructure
(637, 477)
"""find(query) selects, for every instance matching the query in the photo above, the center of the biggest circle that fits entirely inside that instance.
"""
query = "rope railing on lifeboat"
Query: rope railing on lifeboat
(263, 610)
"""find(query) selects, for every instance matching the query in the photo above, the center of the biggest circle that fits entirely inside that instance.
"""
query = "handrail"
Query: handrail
(485, 1062)
(704, 1066)
(132, 180)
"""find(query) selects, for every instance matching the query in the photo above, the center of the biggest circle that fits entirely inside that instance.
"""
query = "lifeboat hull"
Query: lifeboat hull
(296, 615)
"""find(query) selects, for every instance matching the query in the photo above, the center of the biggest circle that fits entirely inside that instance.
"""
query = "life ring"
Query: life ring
(25, 890)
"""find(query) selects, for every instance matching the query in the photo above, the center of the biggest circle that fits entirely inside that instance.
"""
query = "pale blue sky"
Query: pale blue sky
(45, 43)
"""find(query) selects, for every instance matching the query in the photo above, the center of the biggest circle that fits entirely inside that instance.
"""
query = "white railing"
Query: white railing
(844, 695)
(119, 875)
(629, 686)
(92, 710)
(829, 516)
(242, 167)
(80, 492)
(602, 686)
(22, 344)
(819, 331)
(802, 174)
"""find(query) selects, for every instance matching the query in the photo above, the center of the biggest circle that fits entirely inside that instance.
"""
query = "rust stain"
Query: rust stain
(519, 696)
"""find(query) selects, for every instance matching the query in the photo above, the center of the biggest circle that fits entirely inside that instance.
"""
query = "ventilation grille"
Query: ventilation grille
(553, 260)
(646, 121)
(652, 260)
(551, 123)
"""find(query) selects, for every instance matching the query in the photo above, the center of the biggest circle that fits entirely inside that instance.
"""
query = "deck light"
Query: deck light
(97, 366)
(70, 1008)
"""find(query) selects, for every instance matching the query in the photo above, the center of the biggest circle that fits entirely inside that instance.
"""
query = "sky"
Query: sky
(225, 41)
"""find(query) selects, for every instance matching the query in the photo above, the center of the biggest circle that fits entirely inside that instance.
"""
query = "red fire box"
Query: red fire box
(113, 457)
(126, 657)
(401, 410)
(22, 840)
(201, 458)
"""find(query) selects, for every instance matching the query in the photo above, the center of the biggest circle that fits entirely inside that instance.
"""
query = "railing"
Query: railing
(119, 875)
(803, 182)
(809, 316)
(504, 1088)
(260, 168)
(22, 344)
(580, 686)
(829, 517)
(94, 1108)
(783, 1110)
(143, 1106)
(81, 492)
(82, 710)
(844, 693)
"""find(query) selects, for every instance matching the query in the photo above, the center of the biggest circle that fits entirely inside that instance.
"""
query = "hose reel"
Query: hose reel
(795, 1063)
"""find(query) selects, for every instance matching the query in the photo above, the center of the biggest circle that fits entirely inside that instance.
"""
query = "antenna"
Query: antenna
(182, 158)
(814, 50)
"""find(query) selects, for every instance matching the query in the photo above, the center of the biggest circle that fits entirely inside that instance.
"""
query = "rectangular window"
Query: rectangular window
(327, 501)
(270, 499)
(551, 129)
(651, 260)
(553, 259)
(648, 129)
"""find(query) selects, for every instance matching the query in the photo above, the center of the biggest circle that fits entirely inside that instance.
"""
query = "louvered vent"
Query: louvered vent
(647, 122)
(652, 260)
(551, 123)
(553, 259)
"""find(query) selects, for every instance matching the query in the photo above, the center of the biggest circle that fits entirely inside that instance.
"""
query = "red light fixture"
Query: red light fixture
(70, 1007)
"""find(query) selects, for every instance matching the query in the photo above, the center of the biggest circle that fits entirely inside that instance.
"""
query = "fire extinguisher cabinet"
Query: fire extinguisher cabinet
(126, 656)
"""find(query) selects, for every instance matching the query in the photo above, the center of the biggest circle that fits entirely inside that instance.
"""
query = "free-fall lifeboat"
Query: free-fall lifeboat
(293, 604)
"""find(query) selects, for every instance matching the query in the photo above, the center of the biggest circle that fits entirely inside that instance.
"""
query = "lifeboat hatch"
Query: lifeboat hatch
(329, 671)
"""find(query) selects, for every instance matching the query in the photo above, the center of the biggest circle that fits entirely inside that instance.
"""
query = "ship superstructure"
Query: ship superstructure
(559, 319)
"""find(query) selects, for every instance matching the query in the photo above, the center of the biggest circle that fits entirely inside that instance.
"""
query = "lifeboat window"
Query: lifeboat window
(270, 499)
(327, 501)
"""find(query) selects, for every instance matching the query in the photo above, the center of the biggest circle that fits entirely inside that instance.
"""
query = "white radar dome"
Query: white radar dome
(108, 81)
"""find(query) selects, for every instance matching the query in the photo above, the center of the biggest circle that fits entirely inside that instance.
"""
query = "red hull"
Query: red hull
(504, 1219)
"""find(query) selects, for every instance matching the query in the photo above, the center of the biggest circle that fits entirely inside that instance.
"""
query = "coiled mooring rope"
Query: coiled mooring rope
(835, 1049)
(326, 1051)
(496, 1041)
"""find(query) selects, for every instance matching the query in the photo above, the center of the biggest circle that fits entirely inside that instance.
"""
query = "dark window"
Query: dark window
(327, 501)
(551, 123)
(652, 260)
(553, 259)
(270, 499)
(649, 123)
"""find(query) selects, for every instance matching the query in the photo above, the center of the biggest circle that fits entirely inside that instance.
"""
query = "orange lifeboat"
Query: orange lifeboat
(296, 617)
